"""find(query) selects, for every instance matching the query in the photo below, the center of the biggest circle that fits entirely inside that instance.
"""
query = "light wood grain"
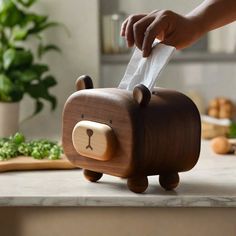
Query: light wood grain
(94, 140)
(29, 163)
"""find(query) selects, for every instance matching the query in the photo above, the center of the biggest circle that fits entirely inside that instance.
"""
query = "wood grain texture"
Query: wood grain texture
(141, 95)
(169, 181)
(159, 138)
(94, 140)
(137, 184)
(28, 163)
(172, 131)
(84, 82)
(92, 176)
(112, 107)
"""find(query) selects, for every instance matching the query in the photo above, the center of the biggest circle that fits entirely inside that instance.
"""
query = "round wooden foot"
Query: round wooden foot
(138, 184)
(169, 181)
(92, 176)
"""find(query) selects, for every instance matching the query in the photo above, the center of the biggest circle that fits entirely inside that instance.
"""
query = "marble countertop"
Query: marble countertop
(212, 183)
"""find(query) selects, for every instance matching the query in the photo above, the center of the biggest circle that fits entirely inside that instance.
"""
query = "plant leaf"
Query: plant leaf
(38, 107)
(16, 58)
(40, 27)
(53, 100)
(49, 81)
(10, 15)
(44, 49)
(36, 90)
(35, 18)
(8, 58)
(16, 93)
(5, 5)
(5, 88)
(39, 90)
(19, 34)
(27, 3)
(9, 91)
(40, 68)
(26, 75)
(21, 74)
(5, 83)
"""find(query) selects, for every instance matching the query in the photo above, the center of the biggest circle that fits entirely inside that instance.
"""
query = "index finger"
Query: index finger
(123, 28)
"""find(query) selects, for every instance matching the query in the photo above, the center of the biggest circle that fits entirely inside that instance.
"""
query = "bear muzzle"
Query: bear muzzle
(94, 140)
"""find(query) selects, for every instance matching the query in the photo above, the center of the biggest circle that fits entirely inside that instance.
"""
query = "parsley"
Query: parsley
(39, 149)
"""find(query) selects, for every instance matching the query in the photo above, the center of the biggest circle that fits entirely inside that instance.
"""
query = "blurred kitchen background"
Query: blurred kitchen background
(204, 71)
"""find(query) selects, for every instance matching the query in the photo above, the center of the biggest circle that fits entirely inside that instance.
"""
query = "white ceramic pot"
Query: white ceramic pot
(9, 118)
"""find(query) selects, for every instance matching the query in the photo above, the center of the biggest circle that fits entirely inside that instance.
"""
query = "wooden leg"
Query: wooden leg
(92, 176)
(169, 181)
(137, 184)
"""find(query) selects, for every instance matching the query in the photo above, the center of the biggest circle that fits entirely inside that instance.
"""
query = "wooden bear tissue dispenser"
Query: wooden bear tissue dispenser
(131, 134)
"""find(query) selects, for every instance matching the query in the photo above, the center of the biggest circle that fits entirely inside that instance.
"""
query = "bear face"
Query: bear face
(99, 127)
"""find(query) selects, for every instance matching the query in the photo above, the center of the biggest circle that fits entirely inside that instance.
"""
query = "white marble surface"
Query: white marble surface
(212, 183)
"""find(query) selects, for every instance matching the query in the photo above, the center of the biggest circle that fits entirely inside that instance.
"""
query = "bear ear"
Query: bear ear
(141, 95)
(84, 82)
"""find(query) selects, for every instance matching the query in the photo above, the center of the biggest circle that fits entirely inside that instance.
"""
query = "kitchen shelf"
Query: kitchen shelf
(186, 57)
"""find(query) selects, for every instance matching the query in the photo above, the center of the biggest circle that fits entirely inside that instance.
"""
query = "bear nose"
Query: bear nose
(89, 132)
(94, 140)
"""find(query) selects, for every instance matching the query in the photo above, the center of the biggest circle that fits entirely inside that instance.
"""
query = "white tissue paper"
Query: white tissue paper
(146, 71)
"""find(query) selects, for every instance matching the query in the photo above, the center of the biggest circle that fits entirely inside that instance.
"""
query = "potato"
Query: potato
(220, 145)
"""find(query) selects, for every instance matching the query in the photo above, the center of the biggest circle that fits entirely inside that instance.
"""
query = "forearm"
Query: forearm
(212, 14)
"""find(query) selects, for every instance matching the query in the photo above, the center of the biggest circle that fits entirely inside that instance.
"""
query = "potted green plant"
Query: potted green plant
(21, 69)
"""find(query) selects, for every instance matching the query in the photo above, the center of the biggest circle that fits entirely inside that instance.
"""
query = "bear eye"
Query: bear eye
(82, 116)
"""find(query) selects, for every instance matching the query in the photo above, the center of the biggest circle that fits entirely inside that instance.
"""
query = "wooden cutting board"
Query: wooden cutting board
(29, 163)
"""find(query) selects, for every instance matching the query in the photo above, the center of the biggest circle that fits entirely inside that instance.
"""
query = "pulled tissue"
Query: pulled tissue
(146, 71)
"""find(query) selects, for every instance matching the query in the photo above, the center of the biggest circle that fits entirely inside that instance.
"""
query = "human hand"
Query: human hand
(167, 26)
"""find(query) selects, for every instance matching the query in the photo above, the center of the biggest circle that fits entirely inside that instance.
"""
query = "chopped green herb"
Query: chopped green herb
(39, 149)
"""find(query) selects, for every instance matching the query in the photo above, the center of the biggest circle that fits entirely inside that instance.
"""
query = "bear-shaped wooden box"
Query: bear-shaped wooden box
(131, 134)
